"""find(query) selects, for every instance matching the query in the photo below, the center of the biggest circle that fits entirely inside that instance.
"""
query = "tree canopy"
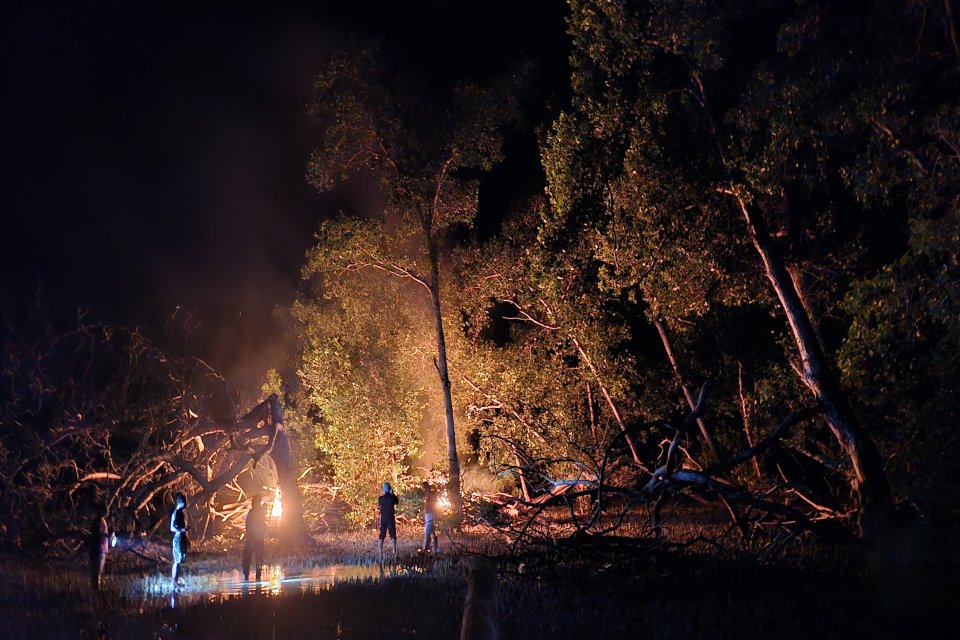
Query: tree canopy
(728, 196)
(737, 285)
(424, 159)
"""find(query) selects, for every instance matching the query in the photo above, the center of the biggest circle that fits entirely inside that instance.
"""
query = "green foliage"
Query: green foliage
(424, 158)
(901, 356)
(635, 163)
(832, 122)
(540, 347)
(376, 123)
(364, 369)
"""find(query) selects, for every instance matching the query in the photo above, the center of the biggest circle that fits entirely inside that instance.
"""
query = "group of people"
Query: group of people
(388, 502)
(256, 529)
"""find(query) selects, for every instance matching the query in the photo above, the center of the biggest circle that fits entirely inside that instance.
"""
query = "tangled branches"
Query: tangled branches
(599, 495)
(99, 419)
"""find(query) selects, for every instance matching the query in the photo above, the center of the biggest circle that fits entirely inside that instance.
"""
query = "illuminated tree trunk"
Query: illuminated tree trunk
(707, 436)
(456, 499)
(292, 529)
(521, 471)
(869, 479)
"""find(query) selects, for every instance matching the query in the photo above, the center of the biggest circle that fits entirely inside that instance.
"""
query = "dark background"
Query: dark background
(153, 153)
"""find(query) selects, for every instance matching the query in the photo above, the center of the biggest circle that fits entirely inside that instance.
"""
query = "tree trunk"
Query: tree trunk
(707, 436)
(521, 470)
(266, 415)
(610, 403)
(951, 27)
(456, 496)
(869, 479)
(747, 431)
(292, 529)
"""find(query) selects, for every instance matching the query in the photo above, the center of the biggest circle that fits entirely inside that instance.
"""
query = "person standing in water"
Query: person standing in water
(388, 518)
(253, 537)
(99, 547)
(429, 517)
(178, 526)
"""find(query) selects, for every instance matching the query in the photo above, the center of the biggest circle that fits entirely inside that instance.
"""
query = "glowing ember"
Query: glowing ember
(277, 510)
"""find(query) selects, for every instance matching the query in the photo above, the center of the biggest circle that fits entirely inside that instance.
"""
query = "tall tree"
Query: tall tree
(780, 123)
(424, 155)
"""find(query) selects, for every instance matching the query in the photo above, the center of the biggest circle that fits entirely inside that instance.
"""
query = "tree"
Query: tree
(541, 343)
(561, 400)
(424, 157)
(364, 366)
(102, 418)
(900, 358)
(679, 127)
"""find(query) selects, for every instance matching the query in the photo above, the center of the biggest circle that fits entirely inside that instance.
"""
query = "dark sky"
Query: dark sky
(153, 153)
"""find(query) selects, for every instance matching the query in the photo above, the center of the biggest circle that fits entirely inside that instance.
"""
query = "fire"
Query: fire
(443, 502)
(277, 510)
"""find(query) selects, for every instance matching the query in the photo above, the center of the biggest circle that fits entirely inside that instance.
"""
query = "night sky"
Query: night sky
(153, 153)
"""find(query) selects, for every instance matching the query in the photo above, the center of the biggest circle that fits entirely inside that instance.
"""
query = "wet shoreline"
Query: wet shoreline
(292, 578)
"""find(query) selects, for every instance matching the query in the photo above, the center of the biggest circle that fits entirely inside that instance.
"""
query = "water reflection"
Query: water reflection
(277, 580)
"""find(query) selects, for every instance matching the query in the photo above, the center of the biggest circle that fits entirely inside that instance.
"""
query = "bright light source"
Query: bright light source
(276, 580)
(277, 510)
(443, 502)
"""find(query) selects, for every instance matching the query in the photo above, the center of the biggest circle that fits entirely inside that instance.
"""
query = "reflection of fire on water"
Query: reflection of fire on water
(277, 510)
(277, 576)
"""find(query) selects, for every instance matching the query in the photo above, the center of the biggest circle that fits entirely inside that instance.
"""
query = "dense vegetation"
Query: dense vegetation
(762, 195)
(739, 283)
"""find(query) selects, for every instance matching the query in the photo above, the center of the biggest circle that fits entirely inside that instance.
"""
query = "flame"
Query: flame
(443, 503)
(277, 510)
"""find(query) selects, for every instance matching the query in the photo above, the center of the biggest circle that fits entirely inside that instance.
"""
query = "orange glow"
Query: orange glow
(277, 510)
(443, 503)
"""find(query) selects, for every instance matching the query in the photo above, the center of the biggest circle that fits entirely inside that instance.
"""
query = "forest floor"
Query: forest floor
(902, 587)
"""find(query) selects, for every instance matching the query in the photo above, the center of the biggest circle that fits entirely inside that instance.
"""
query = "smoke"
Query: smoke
(154, 154)
(172, 154)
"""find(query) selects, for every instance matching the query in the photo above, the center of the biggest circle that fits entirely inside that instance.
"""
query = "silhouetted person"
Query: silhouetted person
(388, 518)
(178, 525)
(99, 546)
(253, 538)
(429, 516)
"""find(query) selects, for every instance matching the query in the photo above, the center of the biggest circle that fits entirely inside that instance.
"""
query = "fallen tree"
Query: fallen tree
(100, 419)
(597, 505)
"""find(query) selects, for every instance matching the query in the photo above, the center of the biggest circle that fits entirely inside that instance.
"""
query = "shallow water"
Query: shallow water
(276, 580)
